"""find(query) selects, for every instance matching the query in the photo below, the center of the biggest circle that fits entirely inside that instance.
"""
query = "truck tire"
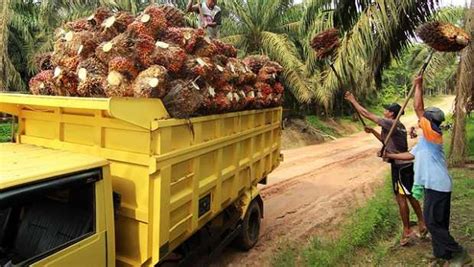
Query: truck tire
(248, 237)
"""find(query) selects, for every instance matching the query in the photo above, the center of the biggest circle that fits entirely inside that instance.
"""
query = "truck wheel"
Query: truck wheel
(248, 237)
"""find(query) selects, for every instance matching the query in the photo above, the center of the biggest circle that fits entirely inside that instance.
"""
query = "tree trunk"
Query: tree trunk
(5, 7)
(465, 83)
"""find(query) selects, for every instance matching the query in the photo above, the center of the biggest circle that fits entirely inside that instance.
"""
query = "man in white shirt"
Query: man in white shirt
(209, 16)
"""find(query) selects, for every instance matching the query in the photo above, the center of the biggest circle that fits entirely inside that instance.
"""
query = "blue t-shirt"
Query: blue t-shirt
(431, 170)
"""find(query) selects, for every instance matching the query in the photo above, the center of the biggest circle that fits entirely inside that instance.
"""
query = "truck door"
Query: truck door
(54, 222)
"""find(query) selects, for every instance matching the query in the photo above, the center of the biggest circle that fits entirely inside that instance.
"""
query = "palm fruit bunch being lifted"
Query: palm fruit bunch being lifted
(154, 55)
(443, 37)
(325, 43)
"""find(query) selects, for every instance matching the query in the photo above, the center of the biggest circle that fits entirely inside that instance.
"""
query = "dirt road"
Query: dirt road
(313, 189)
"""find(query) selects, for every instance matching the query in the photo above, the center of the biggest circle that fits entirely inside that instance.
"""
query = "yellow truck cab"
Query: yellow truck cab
(116, 181)
(54, 208)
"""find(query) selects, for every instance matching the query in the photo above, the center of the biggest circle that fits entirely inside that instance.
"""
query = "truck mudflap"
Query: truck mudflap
(245, 201)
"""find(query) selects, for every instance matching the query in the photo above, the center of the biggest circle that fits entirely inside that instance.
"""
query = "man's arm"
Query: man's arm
(192, 8)
(364, 112)
(217, 20)
(418, 103)
(400, 156)
(374, 132)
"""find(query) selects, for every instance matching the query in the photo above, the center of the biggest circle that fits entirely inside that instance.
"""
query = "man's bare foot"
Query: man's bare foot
(407, 236)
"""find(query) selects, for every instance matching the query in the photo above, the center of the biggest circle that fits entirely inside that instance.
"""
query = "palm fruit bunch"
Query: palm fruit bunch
(100, 15)
(91, 23)
(154, 55)
(186, 38)
(43, 61)
(225, 49)
(325, 43)
(269, 72)
(118, 85)
(151, 22)
(42, 83)
(152, 82)
(91, 73)
(256, 62)
(171, 57)
(174, 16)
(248, 92)
(202, 67)
(65, 82)
(443, 37)
(278, 90)
(122, 45)
(122, 71)
(91, 85)
(205, 48)
(93, 66)
(114, 25)
(184, 98)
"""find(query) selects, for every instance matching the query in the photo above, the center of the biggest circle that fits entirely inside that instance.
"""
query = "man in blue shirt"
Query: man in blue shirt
(431, 173)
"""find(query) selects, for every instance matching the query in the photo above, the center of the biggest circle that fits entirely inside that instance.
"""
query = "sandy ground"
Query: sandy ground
(314, 189)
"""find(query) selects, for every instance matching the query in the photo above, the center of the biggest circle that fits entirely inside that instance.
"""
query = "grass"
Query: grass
(320, 125)
(470, 136)
(5, 132)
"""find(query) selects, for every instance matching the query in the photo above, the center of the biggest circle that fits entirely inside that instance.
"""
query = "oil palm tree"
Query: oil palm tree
(464, 98)
(257, 26)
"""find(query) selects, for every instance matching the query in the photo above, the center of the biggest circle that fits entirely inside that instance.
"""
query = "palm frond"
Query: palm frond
(379, 34)
(281, 49)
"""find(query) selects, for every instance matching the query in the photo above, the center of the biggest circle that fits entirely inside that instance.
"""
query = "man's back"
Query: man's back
(398, 141)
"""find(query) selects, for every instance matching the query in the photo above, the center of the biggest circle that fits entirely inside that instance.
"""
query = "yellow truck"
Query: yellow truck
(116, 181)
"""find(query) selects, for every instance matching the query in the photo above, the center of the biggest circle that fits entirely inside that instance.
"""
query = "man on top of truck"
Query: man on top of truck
(209, 16)
(402, 171)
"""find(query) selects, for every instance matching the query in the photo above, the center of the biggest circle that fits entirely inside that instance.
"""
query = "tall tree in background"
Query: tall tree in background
(4, 59)
(464, 90)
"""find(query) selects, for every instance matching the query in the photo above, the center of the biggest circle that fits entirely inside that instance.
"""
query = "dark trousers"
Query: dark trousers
(437, 208)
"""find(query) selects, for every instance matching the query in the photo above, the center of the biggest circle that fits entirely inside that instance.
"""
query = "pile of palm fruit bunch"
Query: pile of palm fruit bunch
(154, 55)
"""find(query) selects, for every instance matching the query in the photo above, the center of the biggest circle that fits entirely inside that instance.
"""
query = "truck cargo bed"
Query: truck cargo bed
(173, 175)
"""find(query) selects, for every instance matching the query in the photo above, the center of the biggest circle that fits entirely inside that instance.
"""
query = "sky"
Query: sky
(454, 2)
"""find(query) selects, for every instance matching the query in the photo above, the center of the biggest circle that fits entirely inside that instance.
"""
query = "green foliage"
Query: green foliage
(5, 132)
(320, 125)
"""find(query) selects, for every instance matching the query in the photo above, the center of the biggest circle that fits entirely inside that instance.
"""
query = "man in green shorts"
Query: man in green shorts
(402, 171)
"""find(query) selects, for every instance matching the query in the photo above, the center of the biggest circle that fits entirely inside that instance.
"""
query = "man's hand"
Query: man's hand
(367, 129)
(380, 154)
(418, 81)
(349, 96)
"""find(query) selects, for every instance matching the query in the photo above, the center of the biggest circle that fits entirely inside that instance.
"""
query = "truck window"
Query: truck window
(39, 220)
